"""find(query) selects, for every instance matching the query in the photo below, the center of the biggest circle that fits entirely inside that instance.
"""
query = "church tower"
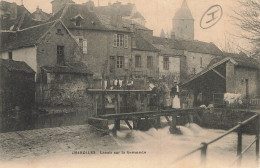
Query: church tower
(183, 23)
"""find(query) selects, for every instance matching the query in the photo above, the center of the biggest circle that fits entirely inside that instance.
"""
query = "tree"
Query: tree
(248, 19)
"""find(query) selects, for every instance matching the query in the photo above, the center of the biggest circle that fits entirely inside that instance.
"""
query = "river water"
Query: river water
(154, 149)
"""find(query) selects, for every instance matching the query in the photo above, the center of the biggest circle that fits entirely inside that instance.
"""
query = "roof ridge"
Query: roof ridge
(37, 25)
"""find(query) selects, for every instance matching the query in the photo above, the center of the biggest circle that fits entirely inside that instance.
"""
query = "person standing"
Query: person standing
(175, 97)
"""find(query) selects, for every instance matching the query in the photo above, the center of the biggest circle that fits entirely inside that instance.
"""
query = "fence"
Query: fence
(204, 145)
(219, 102)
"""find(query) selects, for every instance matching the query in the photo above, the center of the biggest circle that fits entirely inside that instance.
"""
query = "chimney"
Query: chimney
(90, 5)
(173, 35)
(13, 11)
(116, 18)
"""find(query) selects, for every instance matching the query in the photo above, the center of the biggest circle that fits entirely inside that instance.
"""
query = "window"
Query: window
(193, 71)
(85, 46)
(83, 43)
(112, 64)
(78, 22)
(166, 63)
(138, 61)
(149, 61)
(60, 55)
(200, 61)
(120, 40)
(120, 62)
(59, 32)
(10, 55)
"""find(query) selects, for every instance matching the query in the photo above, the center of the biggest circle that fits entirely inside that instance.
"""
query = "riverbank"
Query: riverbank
(49, 141)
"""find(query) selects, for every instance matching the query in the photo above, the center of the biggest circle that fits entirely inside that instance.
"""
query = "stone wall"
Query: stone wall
(66, 93)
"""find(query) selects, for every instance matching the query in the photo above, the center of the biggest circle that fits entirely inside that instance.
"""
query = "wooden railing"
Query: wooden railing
(204, 145)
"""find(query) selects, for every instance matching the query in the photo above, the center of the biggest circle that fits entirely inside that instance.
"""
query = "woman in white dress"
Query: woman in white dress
(176, 100)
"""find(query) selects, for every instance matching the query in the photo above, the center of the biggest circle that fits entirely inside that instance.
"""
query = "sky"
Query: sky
(159, 14)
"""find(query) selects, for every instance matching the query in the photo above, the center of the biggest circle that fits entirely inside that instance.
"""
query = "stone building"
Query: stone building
(17, 91)
(232, 73)
(106, 40)
(127, 11)
(46, 44)
(183, 23)
(14, 17)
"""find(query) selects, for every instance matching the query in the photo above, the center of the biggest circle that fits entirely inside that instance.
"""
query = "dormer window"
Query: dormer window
(77, 20)
(78, 23)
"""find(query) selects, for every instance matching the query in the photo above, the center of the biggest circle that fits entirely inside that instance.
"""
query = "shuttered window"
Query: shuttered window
(115, 40)
(149, 61)
(166, 63)
(138, 63)
(85, 46)
(120, 61)
(126, 41)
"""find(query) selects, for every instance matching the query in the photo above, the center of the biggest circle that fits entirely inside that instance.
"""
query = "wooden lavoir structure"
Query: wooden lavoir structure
(126, 116)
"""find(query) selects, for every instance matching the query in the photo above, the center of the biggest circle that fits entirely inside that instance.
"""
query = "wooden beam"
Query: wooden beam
(168, 120)
(219, 74)
(128, 124)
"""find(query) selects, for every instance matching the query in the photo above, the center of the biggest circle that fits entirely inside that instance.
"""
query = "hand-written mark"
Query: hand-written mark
(211, 17)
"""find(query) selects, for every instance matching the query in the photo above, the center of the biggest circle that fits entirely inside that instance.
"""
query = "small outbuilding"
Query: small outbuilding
(17, 89)
(233, 73)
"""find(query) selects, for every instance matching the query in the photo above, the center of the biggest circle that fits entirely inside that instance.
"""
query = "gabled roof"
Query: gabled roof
(23, 18)
(170, 43)
(91, 20)
(143, 45)
(43, 15)
(126, 10)
(237, 59)
(70, 68)
(25, 38)
(184, 12)
(240, 59)
(200, 47)
(16, 66)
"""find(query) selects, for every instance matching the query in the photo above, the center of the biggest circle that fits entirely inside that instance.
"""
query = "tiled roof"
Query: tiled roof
(16, 66)
(44, 16)
(23, 38)
(126, 10)
(142, 44)
(71, 68)
(237, 59)
(241, 59)
(23, 19)
(200, 47)
(91, 21)
(169, 43)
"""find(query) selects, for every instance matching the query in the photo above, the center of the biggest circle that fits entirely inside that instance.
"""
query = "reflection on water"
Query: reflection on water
(163, 148)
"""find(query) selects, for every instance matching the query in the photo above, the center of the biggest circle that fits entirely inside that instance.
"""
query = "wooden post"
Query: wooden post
(173, 127)
(118, 103)
(204, 154)
(135, 125)
(239, 145)
(117, 124)
(158, 121)
(103, 104)
(257, 140)
(128, 124)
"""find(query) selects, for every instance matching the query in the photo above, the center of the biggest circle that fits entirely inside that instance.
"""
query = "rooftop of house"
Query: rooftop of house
(15, 16)
(92, 21)
(144, 45)
(16, 66)
(24, 38)
(125, 10)
(184, 12)
(69, 68)
(240, 59)
(188, 45)
(43, 15)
